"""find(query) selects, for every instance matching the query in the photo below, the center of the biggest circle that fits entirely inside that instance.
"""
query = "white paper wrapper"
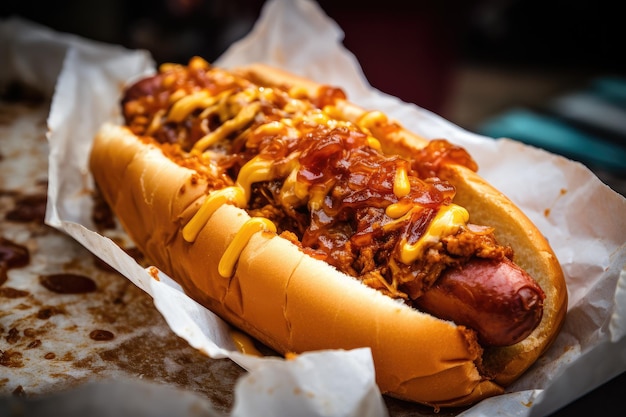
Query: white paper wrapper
(583, 219)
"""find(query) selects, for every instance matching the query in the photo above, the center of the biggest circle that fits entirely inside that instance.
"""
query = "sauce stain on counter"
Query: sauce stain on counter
(29, 208)
(67, 283)
(101, 335)
(12, 255)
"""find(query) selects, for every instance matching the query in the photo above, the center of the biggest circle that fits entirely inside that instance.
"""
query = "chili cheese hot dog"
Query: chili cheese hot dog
(310, 223)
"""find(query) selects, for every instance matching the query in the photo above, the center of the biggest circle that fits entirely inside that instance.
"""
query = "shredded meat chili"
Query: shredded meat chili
(340, 216)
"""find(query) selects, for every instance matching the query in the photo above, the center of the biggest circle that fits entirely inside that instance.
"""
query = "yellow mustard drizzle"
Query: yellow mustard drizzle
(293, 191)
(155, 122)
(401, 217)
(401, 184)
(272, 128)
(255, 170)
(447, 221)
(399, 209)
(188, 103)
(234, 195)
(214, 106)
(245, 116)
(243, 343)
(374, 143)
(176, 95)
(236, 246)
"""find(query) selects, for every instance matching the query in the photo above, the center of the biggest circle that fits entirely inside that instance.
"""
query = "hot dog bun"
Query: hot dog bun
(294, 303)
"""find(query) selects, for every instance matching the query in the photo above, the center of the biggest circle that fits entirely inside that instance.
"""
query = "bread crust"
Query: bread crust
(294, 303)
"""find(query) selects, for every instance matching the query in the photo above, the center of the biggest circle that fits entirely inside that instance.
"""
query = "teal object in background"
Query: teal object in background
(610, 89)
(588, 126)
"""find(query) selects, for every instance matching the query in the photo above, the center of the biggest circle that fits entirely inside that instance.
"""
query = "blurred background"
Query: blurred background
(549, 73)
